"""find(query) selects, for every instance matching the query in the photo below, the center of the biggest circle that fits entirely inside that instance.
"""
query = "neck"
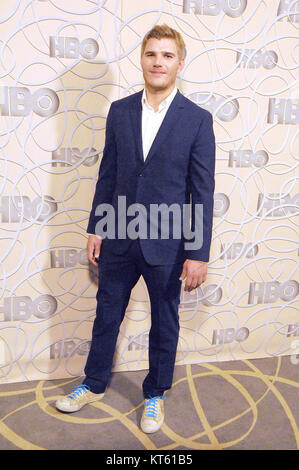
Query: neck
(155, 97)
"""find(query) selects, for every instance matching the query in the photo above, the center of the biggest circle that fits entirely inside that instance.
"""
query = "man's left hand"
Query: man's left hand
(194, 272)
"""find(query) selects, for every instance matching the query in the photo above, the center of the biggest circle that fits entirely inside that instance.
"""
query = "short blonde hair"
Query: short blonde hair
(165, 31)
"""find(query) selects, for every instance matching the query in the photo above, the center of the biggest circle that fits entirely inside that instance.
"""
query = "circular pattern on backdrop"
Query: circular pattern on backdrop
(61, 65)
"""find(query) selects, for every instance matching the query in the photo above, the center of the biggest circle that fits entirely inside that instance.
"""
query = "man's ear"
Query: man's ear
(181, 65)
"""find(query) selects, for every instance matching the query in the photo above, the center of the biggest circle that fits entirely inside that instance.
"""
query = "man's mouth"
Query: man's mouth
(155, 72)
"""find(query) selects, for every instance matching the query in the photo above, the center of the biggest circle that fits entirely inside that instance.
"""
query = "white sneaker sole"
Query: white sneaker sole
(66, 407)
(149, 429)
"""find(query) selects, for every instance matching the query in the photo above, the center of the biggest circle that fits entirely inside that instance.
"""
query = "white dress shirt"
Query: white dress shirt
(152, 120)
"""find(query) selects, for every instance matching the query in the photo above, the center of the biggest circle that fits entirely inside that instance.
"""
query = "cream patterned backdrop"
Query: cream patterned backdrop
(62, 63)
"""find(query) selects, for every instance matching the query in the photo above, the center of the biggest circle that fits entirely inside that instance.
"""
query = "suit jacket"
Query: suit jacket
(179, 169)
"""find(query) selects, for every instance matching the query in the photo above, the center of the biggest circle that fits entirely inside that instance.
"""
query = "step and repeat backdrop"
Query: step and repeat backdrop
(62, 63)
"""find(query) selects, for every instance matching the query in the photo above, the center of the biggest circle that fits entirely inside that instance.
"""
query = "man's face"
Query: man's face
(160, 64)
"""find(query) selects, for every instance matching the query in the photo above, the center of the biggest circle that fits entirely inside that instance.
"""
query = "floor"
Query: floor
(235, 405)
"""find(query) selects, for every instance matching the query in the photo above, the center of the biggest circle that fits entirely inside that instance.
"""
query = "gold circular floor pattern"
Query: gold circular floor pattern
(209, 435)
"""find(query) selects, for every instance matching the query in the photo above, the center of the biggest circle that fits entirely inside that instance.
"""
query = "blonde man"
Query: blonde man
(159, 150)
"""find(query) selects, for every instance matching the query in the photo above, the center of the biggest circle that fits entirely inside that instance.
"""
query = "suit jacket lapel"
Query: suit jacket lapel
(136, 116)
(168, 123)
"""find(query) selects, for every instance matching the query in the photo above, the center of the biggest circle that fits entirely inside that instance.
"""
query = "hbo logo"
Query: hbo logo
(293, 329)
(245, 158)
(283, 111)
(288, 10)
(15, 208)
(71, 48)
(23, 307)
(276, 206)
(267, 59)
(267, 292)
(234, 250)
(227, 108)
(68, 348)
(221, 204)
(211, 295)
(229, 335)
(68, 258)
(72, 155)
(233, 8)
(295, 355)
(18, 101)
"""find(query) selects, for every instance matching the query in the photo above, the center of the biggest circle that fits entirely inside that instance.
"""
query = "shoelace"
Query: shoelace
(78, 390)
(152, 407)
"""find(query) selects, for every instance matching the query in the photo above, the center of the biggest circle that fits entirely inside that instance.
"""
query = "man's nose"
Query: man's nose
(158, 61)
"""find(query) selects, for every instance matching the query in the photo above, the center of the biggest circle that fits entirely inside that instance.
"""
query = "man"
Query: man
(159, 149)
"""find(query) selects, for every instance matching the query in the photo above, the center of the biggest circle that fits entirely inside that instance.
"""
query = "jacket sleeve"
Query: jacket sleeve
(107, 174)
(202, 185)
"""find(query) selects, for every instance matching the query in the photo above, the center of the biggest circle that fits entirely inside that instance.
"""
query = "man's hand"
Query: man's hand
(195, 273)
(93, 248)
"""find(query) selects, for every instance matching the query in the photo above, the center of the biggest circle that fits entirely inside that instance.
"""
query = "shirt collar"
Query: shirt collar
(165, 103)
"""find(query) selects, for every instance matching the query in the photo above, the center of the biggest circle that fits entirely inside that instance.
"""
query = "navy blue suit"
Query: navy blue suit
(179, 169)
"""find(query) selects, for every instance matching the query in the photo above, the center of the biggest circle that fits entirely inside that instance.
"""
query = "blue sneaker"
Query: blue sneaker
(77, 399)
(153, 414)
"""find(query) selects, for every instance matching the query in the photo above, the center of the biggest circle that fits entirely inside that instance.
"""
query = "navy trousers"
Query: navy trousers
(117, 277)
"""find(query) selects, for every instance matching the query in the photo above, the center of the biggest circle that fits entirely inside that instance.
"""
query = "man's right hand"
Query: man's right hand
(94, 243)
